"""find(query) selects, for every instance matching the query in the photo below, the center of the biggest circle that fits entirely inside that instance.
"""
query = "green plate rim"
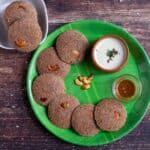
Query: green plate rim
(29, 92)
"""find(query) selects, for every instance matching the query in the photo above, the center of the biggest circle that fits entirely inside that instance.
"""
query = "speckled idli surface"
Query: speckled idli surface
(83, 120)
(49, 62)
(110, 115)
(46, 86)
(18, 10)
(25, 35)
(71, 46)
(60, 110)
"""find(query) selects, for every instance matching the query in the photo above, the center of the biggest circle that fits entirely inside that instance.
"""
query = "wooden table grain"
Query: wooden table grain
(19, 128)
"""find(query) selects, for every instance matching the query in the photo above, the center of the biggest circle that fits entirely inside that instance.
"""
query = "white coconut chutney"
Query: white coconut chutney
(106, 45)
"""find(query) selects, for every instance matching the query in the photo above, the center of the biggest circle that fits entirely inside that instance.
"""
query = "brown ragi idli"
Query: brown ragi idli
(83, 120)
(46, 86)
(60, 110)
(19, 10)
(25, 35)
(110, 115)
(71, 46)
(49, 62)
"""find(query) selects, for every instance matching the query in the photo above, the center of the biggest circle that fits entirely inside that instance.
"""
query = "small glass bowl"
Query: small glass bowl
(137, 83)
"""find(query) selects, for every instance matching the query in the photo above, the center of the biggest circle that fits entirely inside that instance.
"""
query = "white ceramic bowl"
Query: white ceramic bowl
(42, 16)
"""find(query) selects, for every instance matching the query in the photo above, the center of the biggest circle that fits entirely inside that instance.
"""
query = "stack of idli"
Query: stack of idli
(24, 31)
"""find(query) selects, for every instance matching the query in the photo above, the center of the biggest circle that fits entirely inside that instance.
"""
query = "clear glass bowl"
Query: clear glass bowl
(137, 84)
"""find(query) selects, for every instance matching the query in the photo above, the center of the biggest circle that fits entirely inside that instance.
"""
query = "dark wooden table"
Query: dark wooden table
(19, 128)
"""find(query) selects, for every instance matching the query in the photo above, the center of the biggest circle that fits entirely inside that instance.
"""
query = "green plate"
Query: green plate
(138, 65)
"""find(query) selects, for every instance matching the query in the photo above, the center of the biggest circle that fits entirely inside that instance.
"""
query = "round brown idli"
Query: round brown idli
(83, 120)
(18, 10)
(47, 86)
(110, 115)
(71, 46)
(25, 35)
(60, 110)
(49, 62)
